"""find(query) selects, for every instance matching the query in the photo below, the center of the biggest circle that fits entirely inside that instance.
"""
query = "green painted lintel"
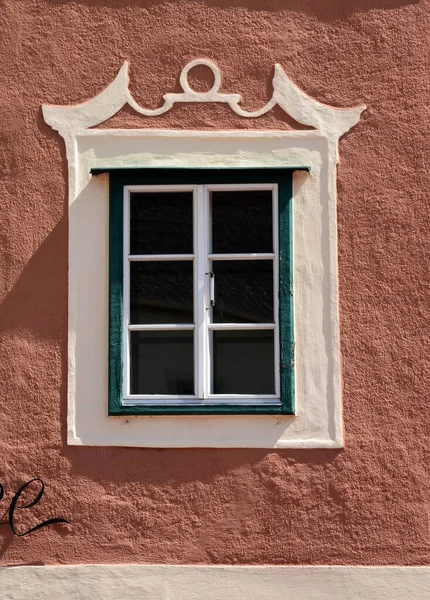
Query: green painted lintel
(132, 170)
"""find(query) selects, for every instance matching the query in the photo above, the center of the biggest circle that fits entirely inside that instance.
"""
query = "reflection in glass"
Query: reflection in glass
(161, 292)
(241, 221)
(243, 291)
(162, 362)
(243, 362)
(161, 223)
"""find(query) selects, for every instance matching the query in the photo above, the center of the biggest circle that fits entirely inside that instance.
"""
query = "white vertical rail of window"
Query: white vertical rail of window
(199, 293)
(126, 296)
(206, 249)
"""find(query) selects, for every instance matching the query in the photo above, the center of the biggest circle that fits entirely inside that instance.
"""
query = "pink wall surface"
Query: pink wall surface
(365, 504)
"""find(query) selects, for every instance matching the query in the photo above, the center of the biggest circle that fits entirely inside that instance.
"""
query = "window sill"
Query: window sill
(206, 408)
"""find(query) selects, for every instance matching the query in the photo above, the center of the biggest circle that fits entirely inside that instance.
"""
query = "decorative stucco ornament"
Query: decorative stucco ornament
(318, 421)
(298, 105)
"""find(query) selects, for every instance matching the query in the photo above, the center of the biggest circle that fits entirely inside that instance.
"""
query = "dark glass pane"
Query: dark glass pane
(161, 292)
(162, 362)
(241, 221)
(243, 291)
(243, 362)
(161, 223)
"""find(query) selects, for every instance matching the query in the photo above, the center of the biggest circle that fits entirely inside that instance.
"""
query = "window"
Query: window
(201, 311)
(126, 157)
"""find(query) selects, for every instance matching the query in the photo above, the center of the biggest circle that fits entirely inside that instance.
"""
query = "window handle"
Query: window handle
(211, 288)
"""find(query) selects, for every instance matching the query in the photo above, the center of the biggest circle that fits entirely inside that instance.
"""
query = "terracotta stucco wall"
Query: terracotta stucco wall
(366, 504)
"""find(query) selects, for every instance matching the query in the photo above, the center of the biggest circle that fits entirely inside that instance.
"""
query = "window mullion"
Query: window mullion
(206, 249)
(200, 270)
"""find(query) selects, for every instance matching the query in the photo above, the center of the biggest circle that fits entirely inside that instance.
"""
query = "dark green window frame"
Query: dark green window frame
(118, 178)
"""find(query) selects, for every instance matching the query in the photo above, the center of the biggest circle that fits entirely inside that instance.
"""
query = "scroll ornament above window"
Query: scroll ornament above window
(330, 121)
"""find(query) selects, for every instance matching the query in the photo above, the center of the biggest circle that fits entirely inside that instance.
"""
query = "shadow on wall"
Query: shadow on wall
(38, 301)
(324, 10)
(178, 466)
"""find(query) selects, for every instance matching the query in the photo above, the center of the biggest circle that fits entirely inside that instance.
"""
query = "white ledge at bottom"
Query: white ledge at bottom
(164, 443)
(198, 582)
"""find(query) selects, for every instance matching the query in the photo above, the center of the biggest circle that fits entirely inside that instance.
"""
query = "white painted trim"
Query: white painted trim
(318, 422)
(203, 355)
(198, 582)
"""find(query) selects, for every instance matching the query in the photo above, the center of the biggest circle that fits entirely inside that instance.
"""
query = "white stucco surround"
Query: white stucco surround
(318, 422)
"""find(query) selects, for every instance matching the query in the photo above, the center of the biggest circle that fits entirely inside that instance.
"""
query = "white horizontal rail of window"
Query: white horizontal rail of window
(243, 256)
(159, 257)
(159, 188)
(240, 326)
(163, 327)
(231, 187)
(212, 400)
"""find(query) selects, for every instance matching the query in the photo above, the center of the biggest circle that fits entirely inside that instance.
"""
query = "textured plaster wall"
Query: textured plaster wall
(366, 504)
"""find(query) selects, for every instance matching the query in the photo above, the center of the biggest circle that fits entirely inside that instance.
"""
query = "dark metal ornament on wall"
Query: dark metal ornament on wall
(15, 506)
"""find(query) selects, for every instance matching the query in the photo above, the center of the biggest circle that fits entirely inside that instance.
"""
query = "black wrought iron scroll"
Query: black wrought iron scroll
(15, 506)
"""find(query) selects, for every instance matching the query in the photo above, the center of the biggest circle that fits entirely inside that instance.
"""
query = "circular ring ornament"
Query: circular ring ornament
(183, 78)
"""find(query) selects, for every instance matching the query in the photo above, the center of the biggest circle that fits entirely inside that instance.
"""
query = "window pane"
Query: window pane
(243, 362)
(161, 223)
(162, 362)
(161, 292)
(241, 221)
(243, 291)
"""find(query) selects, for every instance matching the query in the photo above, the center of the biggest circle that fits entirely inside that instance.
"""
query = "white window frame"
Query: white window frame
(201, 259)
(318, 419)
